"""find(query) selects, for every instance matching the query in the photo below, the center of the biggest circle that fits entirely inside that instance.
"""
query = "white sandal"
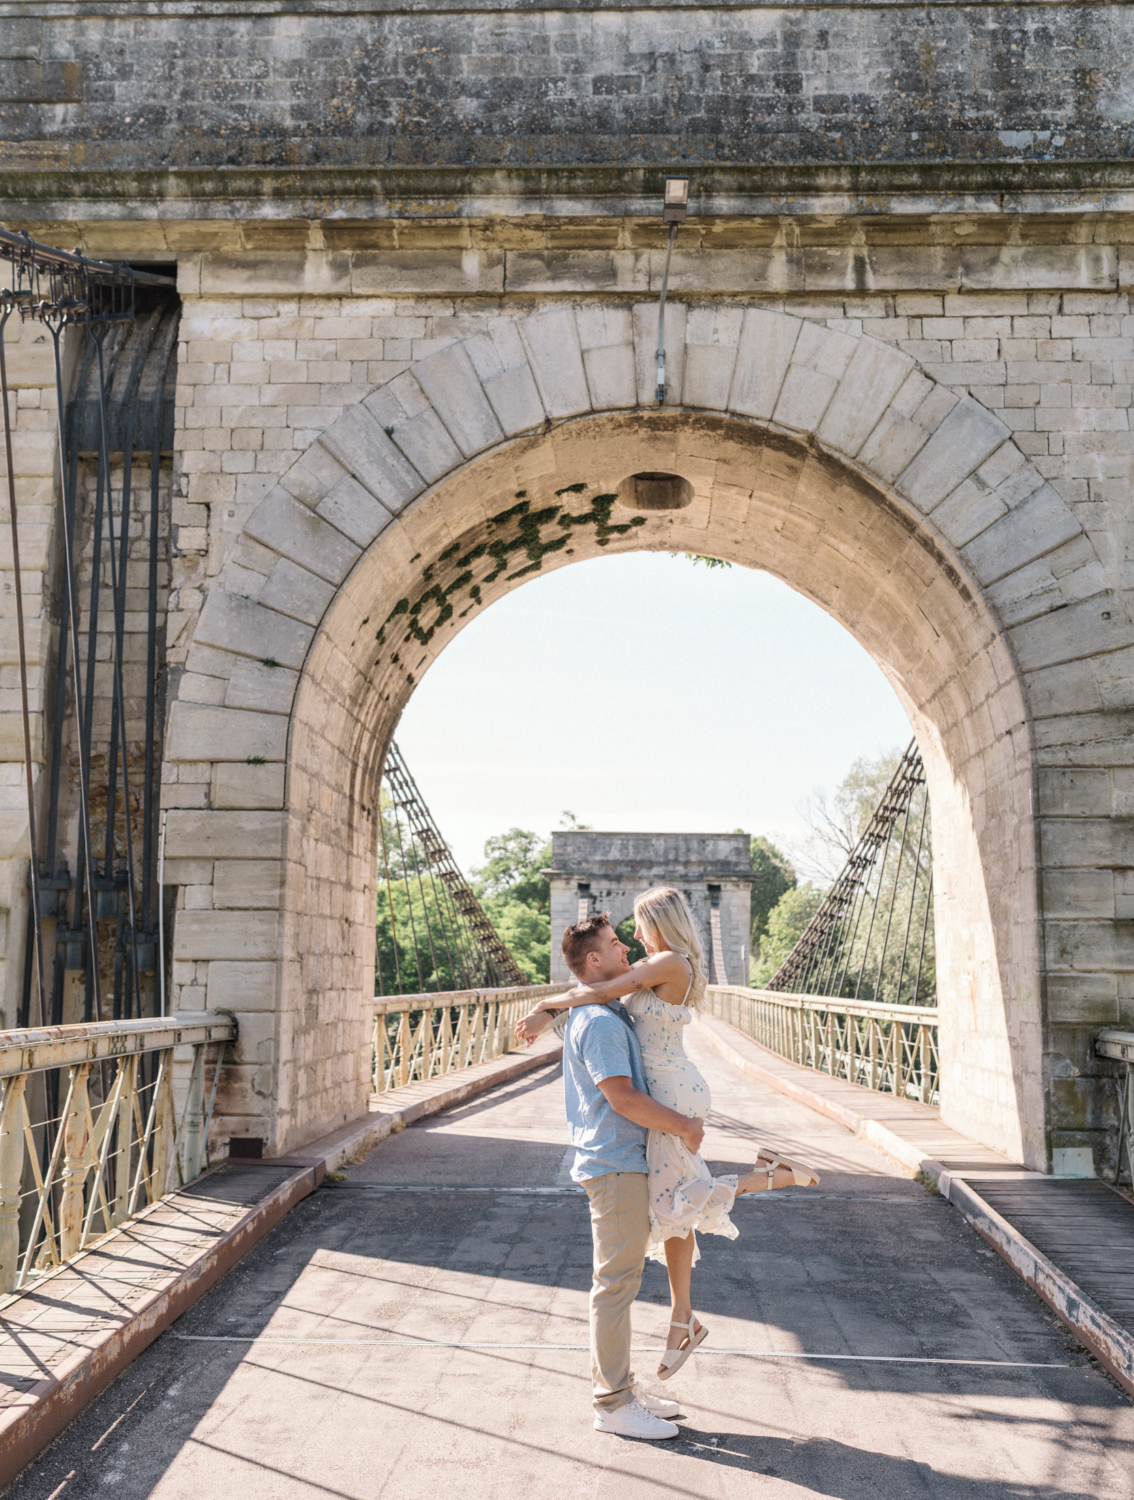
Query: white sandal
(802, 1176)
(673, 1359)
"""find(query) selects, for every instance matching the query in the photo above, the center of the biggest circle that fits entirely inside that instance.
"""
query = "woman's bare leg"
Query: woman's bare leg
(679, 1264)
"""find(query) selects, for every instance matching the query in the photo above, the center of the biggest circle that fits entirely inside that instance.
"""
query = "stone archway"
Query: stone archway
(832, 461)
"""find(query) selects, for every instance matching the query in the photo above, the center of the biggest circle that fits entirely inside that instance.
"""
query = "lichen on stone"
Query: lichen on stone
(524, 534)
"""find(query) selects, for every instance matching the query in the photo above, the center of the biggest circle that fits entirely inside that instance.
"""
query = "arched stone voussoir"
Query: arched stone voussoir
(901, 506)
(944, 454)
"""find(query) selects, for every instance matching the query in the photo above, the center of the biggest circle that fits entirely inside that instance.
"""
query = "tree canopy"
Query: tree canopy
(517, 897)
(786, 924)
(834, 828)
(774, 878)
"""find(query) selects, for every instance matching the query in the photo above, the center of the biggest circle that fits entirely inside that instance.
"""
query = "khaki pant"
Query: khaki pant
(620, 1229)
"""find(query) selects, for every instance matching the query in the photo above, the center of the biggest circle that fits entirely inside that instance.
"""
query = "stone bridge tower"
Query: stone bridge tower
(418, 253)
(594, 872)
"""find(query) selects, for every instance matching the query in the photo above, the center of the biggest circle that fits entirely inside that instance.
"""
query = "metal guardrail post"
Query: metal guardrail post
(193, 1130)
(126, 1106)
(1118, 1046)
(75, 1141)
(163, 1129)
(11, 1172)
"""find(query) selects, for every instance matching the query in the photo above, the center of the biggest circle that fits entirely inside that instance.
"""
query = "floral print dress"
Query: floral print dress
(684, 1196)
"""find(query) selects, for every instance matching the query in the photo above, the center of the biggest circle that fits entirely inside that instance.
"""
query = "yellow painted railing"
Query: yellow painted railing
(91, 1131)
(417, 1037)
(891, 1048)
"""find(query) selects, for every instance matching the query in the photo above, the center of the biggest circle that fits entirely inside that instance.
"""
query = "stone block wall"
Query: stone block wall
(484, 84)
(357, 476)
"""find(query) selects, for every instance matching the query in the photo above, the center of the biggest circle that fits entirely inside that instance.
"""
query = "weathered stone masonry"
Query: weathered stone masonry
(417, 256)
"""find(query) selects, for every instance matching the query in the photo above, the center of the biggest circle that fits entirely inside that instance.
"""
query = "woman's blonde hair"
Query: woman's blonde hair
(664, 913)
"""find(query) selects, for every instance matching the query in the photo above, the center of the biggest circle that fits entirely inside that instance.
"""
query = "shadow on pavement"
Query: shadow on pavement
(821, 1466)
(869, 1264)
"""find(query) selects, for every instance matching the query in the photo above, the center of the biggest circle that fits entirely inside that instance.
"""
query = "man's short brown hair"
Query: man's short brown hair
(581, 937)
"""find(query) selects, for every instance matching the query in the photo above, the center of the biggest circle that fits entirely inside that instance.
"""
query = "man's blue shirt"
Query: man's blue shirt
(599, 1043)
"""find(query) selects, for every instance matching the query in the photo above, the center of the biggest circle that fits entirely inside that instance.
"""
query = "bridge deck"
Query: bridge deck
(298, 1377)
(1085, 1228)
(46, 1327)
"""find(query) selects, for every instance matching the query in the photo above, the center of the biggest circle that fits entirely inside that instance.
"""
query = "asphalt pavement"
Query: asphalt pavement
(420, 1329)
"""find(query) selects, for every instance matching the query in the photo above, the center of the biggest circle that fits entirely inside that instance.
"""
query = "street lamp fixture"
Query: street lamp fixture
(675, 206)
(676, 200)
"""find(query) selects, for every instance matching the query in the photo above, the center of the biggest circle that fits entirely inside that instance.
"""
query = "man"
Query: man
(609, 1112)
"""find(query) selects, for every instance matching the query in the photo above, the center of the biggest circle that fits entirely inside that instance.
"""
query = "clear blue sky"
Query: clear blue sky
(643, 692)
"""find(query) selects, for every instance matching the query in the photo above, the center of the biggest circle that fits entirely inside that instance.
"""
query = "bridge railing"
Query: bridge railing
(1118, 1046)
(418, 1037)
(92, 1129)
(890, 1048)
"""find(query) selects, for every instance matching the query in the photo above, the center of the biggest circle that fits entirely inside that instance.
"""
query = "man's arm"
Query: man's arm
(623, 1097)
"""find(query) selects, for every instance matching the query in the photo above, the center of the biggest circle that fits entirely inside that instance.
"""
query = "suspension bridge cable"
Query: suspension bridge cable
(924, 930)
(476, 953)
(390, 897)
(423, 827)
(893, 900)
(409, 899)
(118, 595)
(845, 946)
(399, 777)
(913, 893)
(85, 873)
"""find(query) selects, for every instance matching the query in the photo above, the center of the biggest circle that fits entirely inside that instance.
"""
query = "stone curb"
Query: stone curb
(1110, 1343)
(42, 1412)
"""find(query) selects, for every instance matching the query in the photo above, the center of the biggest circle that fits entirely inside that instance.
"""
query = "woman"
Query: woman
(684, 1196)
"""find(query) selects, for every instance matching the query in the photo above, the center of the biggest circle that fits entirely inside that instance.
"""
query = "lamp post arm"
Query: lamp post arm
(661, 315)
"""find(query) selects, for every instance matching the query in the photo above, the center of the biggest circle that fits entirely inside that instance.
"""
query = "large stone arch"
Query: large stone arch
(902, 508)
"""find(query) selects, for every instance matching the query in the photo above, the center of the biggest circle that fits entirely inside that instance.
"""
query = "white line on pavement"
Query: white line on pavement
(887, 1359)
(779, 1196)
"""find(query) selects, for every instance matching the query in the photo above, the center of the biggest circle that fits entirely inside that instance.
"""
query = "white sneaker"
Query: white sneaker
(661, 1406)
(634, 1421)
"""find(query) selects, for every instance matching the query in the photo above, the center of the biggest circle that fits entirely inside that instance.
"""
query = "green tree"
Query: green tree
(625, 932)
(526, 932)
(512, 866)
(774, 878)
(786, 923)
(517, 897)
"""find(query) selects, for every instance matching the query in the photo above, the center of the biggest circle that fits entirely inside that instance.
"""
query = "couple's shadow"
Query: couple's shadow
(826, 1467)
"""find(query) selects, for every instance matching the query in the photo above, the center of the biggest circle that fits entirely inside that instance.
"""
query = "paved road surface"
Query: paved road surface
(440, 1236)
